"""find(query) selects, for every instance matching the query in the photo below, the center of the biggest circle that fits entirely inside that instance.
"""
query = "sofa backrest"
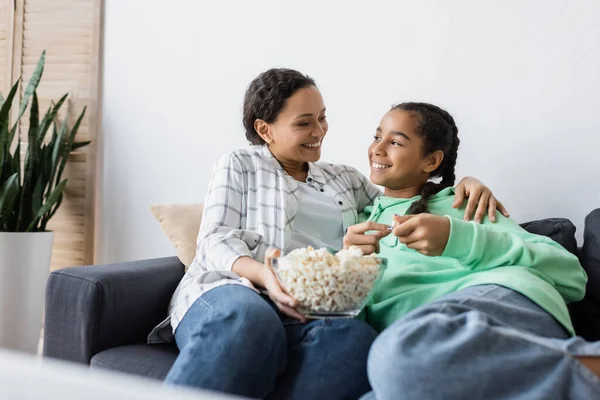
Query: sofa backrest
(561, 230)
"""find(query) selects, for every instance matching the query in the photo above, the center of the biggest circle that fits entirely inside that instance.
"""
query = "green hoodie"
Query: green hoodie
(500, 253)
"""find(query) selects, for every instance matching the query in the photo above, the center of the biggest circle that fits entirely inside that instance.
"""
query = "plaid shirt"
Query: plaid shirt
(250, 206)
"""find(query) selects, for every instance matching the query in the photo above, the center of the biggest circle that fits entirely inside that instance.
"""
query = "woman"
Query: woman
(232, 338)
(467, 310)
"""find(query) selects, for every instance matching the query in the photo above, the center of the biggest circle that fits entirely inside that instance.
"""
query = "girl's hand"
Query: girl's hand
(480, 197)
(357, 235)
(282, 299)
(426, 233)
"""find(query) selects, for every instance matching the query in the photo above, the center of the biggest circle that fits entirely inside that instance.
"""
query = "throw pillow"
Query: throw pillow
(181, 223)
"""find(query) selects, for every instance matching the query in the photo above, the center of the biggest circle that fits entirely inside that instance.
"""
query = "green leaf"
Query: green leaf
(16, 166)
(57, 150)
(5, 110)
(17, 160)
(6, 188)
(37, 196)
(54, 197)
(48, 217)
(6, 136)
(69, 146)
(4, 148)
(76, 126)
(1, 100)
(34, 123)
(44, 124)
(50, 116)
(8, 194)
(59, 155)
(54, 132)
(32, 166)
(78, 145)
(13, 132)
(33, 84)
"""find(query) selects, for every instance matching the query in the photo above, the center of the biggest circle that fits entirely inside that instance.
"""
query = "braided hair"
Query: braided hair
(439, 132)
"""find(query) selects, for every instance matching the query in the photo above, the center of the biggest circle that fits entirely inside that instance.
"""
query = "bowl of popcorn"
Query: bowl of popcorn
(329, 285)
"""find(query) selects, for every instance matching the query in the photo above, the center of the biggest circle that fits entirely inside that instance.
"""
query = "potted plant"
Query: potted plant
(31, 191)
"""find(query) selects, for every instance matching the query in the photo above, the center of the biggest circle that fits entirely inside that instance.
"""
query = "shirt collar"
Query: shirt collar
(269, 157)
(315, 173)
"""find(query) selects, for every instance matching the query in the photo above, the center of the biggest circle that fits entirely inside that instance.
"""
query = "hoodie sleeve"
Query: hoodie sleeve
(481, 247)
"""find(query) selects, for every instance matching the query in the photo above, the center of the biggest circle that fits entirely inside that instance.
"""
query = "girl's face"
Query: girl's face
(396, 154)
(297, 133)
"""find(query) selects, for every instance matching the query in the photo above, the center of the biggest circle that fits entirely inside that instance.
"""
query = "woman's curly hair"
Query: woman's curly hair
(266, 96)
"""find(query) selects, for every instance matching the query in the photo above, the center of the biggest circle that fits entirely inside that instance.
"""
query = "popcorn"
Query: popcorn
(322, 282)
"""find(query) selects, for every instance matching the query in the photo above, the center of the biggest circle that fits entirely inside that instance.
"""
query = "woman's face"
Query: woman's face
(396, 154)
(297, 133)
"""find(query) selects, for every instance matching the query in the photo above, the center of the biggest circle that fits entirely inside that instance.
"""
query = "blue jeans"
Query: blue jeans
(483, 342)
(234, 340)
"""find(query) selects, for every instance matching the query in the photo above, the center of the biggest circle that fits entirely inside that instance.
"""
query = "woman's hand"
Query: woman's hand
(357, 235)
(480, 196)
(282, 299)
(426, 233)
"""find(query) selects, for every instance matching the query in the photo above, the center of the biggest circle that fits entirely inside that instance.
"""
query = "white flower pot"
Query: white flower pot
(24, 269)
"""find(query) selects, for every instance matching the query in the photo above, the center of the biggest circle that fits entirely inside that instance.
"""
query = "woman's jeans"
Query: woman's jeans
(234, 340)
(483, 342)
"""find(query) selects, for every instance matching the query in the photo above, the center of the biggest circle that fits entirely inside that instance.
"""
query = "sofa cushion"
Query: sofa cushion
(561, 230)
(181, 223)
(152, 361)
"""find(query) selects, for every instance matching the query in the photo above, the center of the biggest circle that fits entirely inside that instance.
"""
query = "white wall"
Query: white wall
(522, 79)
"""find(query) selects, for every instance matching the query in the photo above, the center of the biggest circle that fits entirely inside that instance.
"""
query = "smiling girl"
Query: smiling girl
(466, 310)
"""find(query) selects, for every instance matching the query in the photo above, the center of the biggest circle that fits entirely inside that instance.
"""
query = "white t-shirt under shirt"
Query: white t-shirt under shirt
(318, 222)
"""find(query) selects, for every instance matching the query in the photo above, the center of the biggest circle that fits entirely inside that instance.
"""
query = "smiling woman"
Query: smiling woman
(274, 195)
(295, 139)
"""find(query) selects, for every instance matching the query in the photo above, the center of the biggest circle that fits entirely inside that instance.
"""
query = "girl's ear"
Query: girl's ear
(264, 130)
(433, 161)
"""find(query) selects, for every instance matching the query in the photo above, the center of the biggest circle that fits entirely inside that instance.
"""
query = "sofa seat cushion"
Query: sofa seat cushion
(152, 361)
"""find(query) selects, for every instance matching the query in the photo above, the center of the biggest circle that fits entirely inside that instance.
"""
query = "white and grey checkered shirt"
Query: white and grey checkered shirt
(250, 206)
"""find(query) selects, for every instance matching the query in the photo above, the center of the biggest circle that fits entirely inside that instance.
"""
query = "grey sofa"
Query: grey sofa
(101, 314)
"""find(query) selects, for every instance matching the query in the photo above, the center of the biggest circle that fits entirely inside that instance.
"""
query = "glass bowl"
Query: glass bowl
(330, 291)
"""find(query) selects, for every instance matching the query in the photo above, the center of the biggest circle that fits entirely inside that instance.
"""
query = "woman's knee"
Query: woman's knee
(231, 340)
(346, 336)
(233, 315)
(336, 352)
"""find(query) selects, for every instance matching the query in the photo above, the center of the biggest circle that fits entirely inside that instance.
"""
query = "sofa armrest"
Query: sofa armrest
(93, 308)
